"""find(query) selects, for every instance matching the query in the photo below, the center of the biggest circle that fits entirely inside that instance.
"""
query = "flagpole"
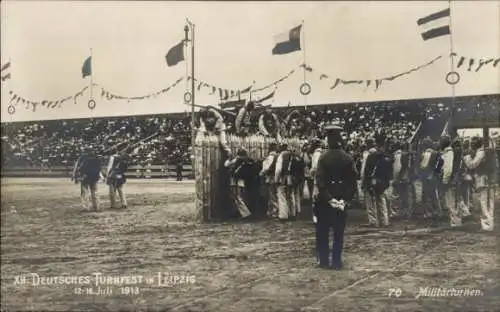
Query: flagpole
(452, 65)
(193, 131)
(304, 55)
(91, 75)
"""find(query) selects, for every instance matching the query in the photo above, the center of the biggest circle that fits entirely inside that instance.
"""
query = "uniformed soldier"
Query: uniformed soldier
(449, 181)
(297, 170)
(88, 172)
(307, 181)
(376, 179)
(430, 171)
(268, 172)
(369, 148)
(400, 179)
(178, 163)
(336, 179)
(481, 168)
(464, 178)
(115, 173)
(317, 152)
(283, 178)
(237, 172)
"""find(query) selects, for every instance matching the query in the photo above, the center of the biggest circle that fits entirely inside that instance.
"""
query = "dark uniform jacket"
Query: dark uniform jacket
(90, 169)
(378, 171)
(117, 172)
(336, 176)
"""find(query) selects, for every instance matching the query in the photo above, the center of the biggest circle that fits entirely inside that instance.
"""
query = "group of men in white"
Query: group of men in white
(453, 178)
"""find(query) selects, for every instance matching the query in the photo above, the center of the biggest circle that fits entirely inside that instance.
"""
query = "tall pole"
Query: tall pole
(304, 54)
(91, 75)
(193, 131)
(451, 124)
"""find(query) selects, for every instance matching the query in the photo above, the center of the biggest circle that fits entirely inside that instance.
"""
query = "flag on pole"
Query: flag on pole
(435, 25)
(175, 54)
(87, 67)
(4, 71)
(288, 42)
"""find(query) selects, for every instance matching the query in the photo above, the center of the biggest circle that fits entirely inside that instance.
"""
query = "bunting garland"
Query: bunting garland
(473, 64)
(16, 99)
(275, 83)
(110, 96)
(224, 94)
(369, 82)
(469, 63)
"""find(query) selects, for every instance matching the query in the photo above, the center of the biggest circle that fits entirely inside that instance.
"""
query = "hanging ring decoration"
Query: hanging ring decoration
(305, 88)
(187, 97)
(452, 78)
(11, 109)
(91, 104)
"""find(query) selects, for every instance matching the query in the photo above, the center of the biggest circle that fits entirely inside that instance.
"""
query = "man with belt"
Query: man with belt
(401, 178)
(268, 172)
(449, 181)
(336, 178)
(319, 148)
(430, 171)
(283, 178)
(88, 171)
(483, 167)
(238, 170)
(376, 179)
(115, 179)
(243, 119)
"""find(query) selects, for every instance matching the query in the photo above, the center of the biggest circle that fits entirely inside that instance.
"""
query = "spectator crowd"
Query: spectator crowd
(165, 139)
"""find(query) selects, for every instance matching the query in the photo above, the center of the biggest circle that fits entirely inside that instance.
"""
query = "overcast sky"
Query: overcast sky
(47, 42)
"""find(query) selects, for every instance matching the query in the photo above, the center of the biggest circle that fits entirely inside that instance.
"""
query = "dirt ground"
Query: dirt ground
(258, 266)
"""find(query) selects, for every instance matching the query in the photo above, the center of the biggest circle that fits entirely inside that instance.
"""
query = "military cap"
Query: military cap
(426, 143)
(330, 128)
(242, 152)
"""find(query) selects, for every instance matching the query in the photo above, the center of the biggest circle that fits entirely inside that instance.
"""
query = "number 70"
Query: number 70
(395, 292)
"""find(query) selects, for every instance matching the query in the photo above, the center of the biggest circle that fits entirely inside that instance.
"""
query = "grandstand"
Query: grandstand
(51, 147)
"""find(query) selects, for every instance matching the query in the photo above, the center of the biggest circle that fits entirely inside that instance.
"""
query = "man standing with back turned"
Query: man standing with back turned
(336, 179)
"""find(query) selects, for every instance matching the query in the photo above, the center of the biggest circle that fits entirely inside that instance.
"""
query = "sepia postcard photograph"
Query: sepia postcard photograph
(250, 156)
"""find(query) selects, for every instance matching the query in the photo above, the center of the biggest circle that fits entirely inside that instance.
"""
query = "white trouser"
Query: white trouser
(121, 195)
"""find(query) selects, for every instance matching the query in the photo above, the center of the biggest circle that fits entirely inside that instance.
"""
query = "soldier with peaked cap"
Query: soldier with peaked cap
(376, 179)
(336, 179)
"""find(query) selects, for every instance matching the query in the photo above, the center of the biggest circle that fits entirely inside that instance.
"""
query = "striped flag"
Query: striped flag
(5, 72)
(435, 25)
(287, 42)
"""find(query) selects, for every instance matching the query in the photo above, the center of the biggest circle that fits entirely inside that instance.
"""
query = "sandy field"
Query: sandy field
(166, 261)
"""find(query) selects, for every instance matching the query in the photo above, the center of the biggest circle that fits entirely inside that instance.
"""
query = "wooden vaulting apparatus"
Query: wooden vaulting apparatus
(211, 177)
